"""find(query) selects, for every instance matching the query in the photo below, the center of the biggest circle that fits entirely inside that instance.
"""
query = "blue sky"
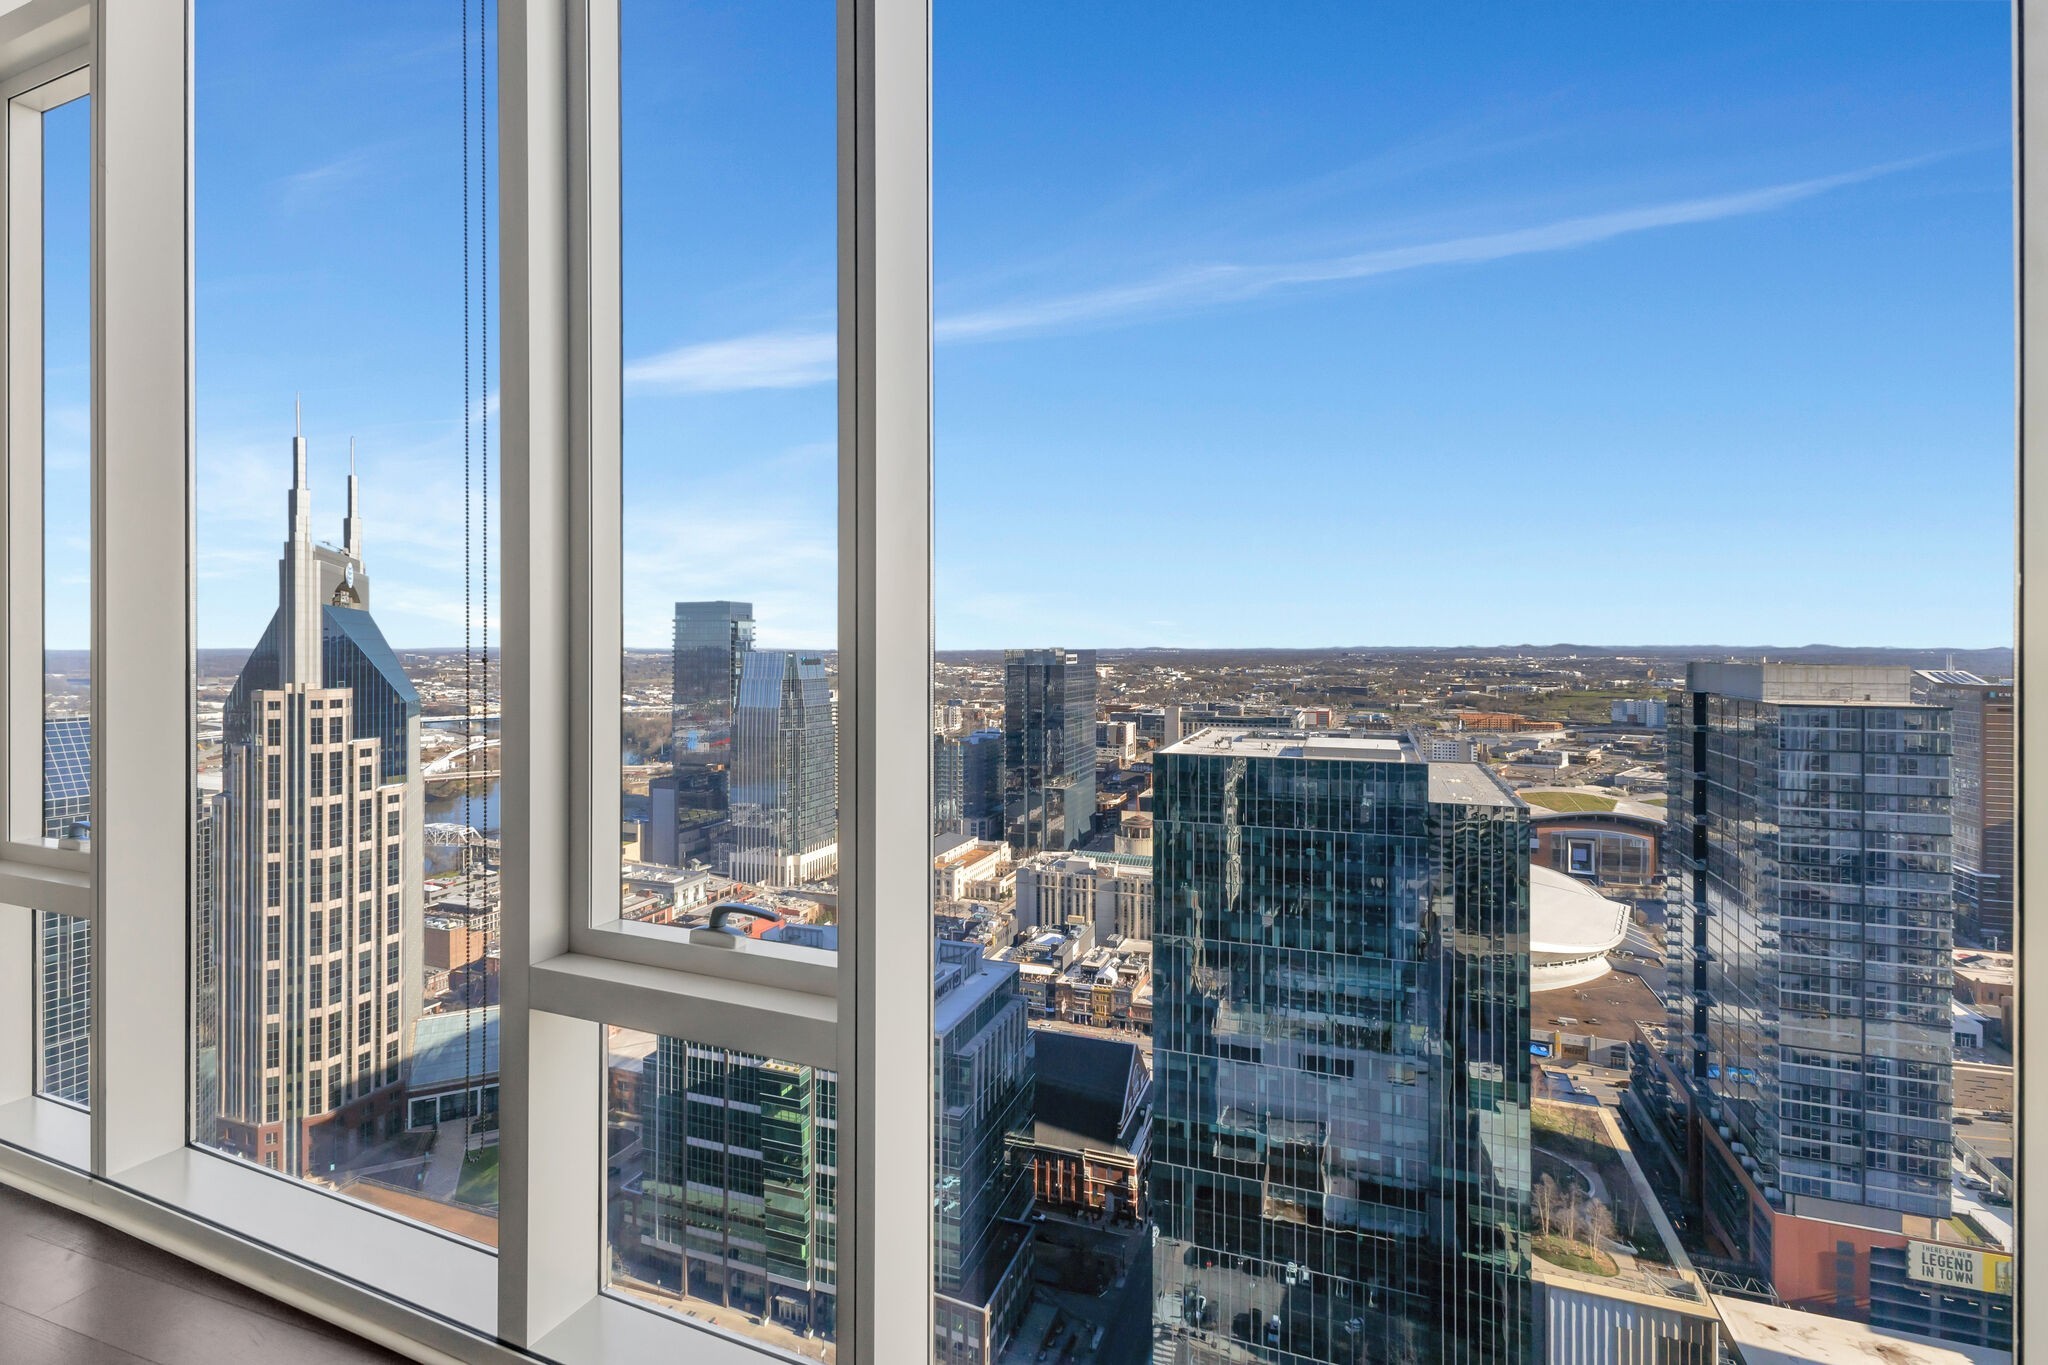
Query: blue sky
(329, 259)
(1278, 325)
(67, 375)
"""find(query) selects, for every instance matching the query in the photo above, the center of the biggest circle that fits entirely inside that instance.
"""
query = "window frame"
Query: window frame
(572, 966)
(569, 968)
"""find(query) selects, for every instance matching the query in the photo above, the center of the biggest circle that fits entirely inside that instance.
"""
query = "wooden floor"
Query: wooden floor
(75, 1292)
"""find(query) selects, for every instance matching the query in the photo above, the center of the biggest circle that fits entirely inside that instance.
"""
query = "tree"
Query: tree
(1599, 1224)
(1545, 1199)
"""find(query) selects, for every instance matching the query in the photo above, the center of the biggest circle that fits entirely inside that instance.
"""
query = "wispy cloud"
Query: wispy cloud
(797, 358)
(766, 360)
(300, 188)
(1206, 285)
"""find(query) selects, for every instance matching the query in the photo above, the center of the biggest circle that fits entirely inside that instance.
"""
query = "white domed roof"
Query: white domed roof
(1572, 928)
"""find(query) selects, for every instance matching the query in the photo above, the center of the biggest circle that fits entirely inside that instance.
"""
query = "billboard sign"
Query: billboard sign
(1953, 1267)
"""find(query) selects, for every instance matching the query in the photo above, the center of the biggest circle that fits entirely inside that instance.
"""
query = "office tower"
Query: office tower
(981, 784)
(742, 1169)
(1807, 881)
(741, 1172)
(319, 845)
(205, 957)
(967, 784)
(67, 777)
(785, 771)
(1983, 771)
(64, 1004)
(948, 783)
(982, 1087)
(1341, 1051)
(1048, 747)
(711, 644)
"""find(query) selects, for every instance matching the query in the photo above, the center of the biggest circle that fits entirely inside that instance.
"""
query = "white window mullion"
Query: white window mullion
(2030, 43)
(551, 1098)
(141, 576)
(885, 680)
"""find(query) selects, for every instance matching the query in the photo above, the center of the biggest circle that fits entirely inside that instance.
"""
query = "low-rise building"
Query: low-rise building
(1091, 1143)
(1109, 987)
(967, 869)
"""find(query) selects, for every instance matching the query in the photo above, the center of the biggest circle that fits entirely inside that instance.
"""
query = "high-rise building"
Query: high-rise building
(205, 966)
(982, 1079)
(981, 784)
(1809, 933)
(1048, 747)
(67, 777)
(1983, 768)
(949, 783)
(1341, 1166)
(712, 640)
(64, 1003)
(967, 784)
(742, 1167)
(320, 842)
(741, 1176)
(785, 771)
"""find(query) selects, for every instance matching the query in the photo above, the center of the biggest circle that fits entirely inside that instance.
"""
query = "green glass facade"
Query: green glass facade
(1341, 1051)
(741, 1180)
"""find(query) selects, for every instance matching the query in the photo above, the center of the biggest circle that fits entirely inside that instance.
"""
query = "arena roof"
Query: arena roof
(1568, 917)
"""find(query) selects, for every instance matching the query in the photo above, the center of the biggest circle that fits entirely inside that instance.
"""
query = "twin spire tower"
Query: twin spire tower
(319, 836)
(312, 575)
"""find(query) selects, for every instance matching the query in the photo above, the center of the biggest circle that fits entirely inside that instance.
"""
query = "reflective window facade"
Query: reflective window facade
(1810, 931)
(1342, 1170)
(1048, 747)
(785, 787)
(64, 1014)
(1983, 803)
(730, 1198)
(691, 808)
(983, 1108)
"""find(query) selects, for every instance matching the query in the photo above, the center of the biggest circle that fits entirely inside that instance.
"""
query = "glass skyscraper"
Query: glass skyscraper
(1342, 1167)
(741, 1180)
(982, 1078)
(785, 778)
(1982, 813)
(711, 643)
(1048, 747)
(1809, 932)
(64, 1005)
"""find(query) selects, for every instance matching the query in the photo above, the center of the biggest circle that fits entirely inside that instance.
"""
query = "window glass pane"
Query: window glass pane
(346, 832)
(1382, 958)
(67, 469)
(722, 1188)
(729, 214)
(64, 955)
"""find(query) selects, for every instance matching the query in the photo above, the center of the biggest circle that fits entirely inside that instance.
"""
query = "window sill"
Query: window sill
(48, 1129)
(609, 1329)
(412, 1290)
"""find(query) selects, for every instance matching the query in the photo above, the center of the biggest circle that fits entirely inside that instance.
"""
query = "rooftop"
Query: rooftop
(447, 1048)
(1768, 1335)
(1089, 1090)
(1566, 916)
(1295, 744)
(1831, 684)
